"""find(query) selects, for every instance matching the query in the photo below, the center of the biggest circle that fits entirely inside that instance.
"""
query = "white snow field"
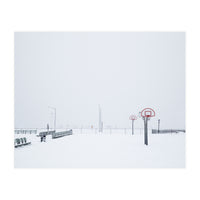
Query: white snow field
(111, 149)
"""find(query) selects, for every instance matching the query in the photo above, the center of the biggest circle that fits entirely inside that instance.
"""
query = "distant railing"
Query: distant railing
(25, 131)
(155, 131)
(61, 134)
(126, 131)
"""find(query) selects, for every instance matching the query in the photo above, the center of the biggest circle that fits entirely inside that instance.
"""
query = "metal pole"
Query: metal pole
(132, 127)
(100, 123)
(55, 121)
(158, 125)
(54, 116)
(146, 130)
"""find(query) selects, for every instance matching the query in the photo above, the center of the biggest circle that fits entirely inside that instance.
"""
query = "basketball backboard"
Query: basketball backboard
(148, 112)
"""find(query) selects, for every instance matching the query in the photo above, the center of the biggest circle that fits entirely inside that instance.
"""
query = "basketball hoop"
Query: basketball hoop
(133, 117)
(148, 112)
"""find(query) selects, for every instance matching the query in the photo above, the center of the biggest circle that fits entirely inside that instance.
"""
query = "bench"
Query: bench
(61, 134)
(18, 142)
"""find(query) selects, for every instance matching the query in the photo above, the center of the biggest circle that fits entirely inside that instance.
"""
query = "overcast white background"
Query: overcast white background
(124, 72)
(106, 16)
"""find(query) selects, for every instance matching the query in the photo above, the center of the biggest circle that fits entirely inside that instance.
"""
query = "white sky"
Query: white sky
(123, 72)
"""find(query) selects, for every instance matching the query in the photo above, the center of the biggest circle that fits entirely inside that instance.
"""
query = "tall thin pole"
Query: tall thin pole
(146, 130)
(132, 127)
(55, 121)
(158, 125)
(100, 122)
(54, 116)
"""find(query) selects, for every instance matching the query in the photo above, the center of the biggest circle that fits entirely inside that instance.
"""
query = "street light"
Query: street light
(54, 116)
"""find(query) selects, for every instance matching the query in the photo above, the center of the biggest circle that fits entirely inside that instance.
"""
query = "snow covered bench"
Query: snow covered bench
(45, 133)
(61, 134)
(21, 142)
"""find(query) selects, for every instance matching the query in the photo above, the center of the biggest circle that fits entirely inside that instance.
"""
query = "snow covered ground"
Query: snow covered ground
(111, 149)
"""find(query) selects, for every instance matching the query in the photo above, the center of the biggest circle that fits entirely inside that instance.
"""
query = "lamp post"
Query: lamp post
(54, 116)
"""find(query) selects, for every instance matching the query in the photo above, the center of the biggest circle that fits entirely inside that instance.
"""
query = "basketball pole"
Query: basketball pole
(132, 127)
(146, 130)
(146, 114)
(132, 118)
